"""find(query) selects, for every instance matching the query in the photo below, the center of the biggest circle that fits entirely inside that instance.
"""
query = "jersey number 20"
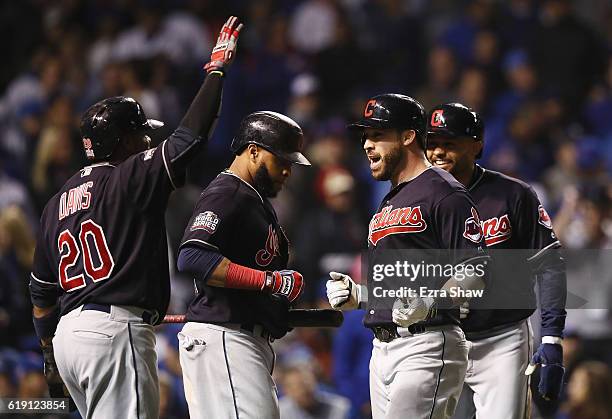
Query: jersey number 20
(70, 252)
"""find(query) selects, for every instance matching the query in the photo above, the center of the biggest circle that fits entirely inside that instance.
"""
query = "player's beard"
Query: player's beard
(263, 183)
(390, 163)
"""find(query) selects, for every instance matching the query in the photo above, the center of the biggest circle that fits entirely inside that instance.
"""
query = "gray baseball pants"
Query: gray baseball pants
(495, 384)
(418, 376)
(108, 363)
(227, 373)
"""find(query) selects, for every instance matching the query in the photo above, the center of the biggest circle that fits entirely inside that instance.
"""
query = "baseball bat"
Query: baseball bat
(315, 318)
(297, 318)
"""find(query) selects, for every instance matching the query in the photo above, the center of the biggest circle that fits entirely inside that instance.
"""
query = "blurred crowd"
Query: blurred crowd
(540, 73)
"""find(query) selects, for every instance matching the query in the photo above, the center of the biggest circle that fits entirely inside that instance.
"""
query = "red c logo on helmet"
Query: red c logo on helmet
(437, 118)
(369, 108)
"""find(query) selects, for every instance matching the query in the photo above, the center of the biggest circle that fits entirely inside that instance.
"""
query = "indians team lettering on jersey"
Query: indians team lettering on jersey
(512, 218)
(233, 219)
(431, 211)
(94, 227)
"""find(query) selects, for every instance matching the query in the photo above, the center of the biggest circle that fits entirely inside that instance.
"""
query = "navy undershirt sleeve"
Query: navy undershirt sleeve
(198, 261)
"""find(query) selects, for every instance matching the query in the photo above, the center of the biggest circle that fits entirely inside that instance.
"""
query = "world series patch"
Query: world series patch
(206, 221)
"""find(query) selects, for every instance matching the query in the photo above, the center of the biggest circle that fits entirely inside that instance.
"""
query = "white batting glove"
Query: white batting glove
(410, 311)
(342, 292)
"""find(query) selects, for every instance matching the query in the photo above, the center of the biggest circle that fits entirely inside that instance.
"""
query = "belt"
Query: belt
(148, 316)
(97, 307)
(492, 331)
(255, 330)
(388, 333)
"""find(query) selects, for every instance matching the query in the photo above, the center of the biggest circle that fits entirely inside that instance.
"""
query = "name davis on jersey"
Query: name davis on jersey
(76, 199)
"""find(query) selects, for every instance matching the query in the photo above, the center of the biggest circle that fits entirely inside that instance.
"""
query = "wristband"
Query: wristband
(219, 72)
(45, 326)
(241, 277)
(555, 340)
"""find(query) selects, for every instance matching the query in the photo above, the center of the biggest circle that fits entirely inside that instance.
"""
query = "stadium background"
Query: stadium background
(540, 72)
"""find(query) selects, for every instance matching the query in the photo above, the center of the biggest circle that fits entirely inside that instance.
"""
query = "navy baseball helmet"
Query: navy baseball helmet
(105, 123)
(397, 111)
(454, 120)
(275, 132)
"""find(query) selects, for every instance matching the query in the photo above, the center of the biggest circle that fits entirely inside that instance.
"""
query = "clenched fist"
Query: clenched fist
(225, 48)
(412, 310)
(287, 283)
(342, 292)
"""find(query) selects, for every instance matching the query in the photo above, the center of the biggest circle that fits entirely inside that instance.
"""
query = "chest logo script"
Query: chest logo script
(497, 230)
(395, 221)
(264, 256)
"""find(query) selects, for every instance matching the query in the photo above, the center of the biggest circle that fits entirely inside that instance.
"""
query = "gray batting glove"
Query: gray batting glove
(342, 292)
(464, 310)
(409, 311)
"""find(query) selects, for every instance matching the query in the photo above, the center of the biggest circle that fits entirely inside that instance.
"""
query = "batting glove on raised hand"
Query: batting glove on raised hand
(409, 311)
(342, 292)
(550, 357)
(225, 48)
(287, 283)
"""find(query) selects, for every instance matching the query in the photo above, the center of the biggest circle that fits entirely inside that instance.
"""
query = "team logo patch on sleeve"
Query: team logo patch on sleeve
(473, 229)
(148, 154)
(543, 217)
(207, 221)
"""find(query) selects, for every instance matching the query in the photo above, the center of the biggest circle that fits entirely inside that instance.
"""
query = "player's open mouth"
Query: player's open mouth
(375, 162)
(441, 163)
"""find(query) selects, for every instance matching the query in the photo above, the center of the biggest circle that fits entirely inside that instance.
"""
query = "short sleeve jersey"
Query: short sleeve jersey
(431, 211)
(103, 237)
(232, 218)
(512, 218)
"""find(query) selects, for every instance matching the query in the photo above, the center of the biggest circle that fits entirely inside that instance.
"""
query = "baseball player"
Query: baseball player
(512, 218)
(238, 254)
(101, 264)
(420, 353)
